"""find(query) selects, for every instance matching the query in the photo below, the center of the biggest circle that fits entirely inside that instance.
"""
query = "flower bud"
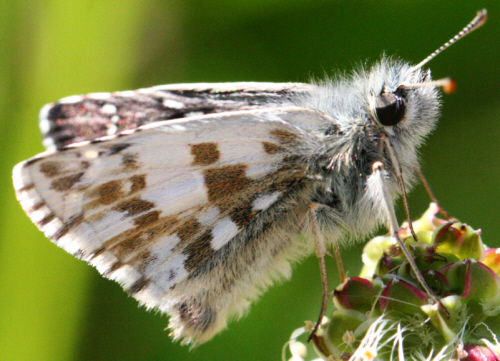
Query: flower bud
(355, 293)
(401, 296)
(492, 260)
(459, 239)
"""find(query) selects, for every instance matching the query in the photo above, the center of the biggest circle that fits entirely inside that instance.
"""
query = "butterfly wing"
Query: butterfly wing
(193, 217)
(80, 118)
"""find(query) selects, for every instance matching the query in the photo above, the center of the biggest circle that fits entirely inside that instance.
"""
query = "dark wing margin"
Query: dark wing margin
(81, 118)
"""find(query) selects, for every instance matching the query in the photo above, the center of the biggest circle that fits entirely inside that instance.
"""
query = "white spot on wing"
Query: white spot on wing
(109, 108)
(91, 154)
(268, 116)
(48, 143)
(149, 296)
(178, 127)
(176, 195)
(104, 261)
(170, 103)
(258, 162)
(193, 114)
(255, 171)
(126, 276)
(265, 201)
(43, 116)
(223, 232)
(162, 251)
(112, 129)
(20, 175)
(209, 216)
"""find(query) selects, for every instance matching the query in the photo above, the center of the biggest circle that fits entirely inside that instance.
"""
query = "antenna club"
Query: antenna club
(482, 16)
(450, 86)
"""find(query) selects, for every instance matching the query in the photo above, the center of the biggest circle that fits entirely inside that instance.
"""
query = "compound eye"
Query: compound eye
(390, 108)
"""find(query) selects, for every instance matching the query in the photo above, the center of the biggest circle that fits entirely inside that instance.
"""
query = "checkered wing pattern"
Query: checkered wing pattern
(193, 217)
(85, 117)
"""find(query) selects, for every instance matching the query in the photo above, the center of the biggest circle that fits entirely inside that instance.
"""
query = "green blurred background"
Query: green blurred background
(54, 307)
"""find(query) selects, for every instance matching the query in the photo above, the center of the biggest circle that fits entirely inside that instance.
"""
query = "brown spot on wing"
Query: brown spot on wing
(224, 182)
(284, 137)
(171, 274)
(242, 215)
(205, 153)
(198, 251)
(271, 148)
(47, 219)
(50, 169)
(138, 183)
(128, 246)
(117, 148)
(108, 193)
(148, 229)
(187, 230)
(129, 162)
(147, 219)
(195, 245)
(164, 226)
(65, 183)
(134, 206)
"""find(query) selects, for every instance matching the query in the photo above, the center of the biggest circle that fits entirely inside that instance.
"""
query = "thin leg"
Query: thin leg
(394, 227)
(340, 264)
(431, 195)
(319, 243)
(399, 176)
(407, 210)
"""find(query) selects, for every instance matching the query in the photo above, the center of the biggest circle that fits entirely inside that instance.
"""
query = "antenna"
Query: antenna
(447, 84)
(476, 23)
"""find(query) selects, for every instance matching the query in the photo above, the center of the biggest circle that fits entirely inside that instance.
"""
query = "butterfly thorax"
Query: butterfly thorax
(368, 111)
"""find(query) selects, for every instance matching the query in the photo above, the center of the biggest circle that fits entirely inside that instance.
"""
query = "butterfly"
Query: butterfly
(196, 197)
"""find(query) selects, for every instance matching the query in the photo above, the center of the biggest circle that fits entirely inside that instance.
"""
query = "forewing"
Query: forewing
(80, 118)
(193, 216)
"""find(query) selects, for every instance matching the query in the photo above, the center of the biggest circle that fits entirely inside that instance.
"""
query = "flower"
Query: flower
(385, 314)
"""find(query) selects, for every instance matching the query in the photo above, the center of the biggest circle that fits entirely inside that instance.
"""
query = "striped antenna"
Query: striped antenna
(477, 22)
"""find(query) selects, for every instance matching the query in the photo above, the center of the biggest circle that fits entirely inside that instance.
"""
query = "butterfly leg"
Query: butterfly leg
(319, 245)
(340, 264)
(431, 195)
(393, 226)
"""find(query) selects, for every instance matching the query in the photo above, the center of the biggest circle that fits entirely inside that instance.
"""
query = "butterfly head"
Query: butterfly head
(401, 101)
(403, 97)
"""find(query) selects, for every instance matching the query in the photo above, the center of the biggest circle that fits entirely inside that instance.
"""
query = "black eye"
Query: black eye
(390, 108)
